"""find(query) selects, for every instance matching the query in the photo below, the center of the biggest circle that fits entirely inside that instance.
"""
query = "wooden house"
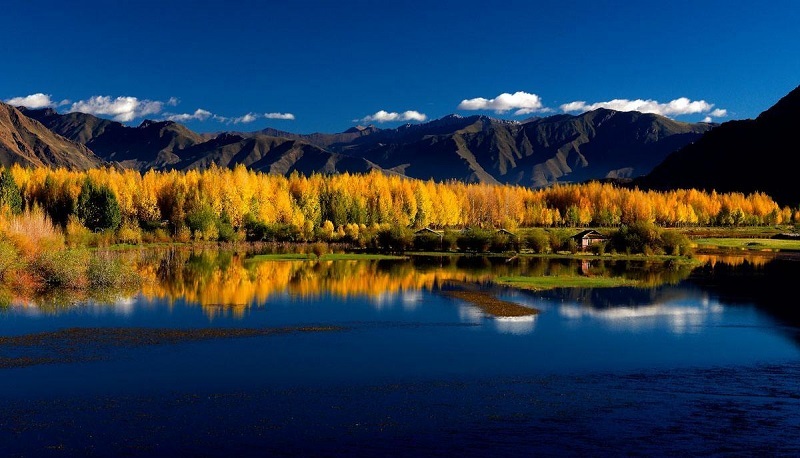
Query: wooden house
(588, 238)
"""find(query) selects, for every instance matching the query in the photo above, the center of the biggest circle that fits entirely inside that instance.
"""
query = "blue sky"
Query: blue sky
(328, 65)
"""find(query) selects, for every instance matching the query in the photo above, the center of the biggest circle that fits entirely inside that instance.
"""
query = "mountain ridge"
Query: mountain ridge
(599, 144)
(751, 155)
(28, 142)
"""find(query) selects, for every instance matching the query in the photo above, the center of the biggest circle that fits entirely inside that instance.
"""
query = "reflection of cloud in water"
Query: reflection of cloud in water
(382, 300)
(470, 314)
(679, 318)
(122, 306)
(411, 299)
(518, 325)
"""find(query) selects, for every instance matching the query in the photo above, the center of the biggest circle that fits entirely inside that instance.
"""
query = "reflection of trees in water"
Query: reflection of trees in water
(220, 280)
(224, 281)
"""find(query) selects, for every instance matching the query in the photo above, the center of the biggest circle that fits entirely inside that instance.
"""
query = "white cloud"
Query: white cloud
(386, 116)
(523, 102)
(677, 107)
(248, 118)
(286, 116)
(707, 119)
(121, 109)
(37, 100)
(198, 115)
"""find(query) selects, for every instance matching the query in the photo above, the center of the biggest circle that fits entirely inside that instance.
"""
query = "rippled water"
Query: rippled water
(217, 353)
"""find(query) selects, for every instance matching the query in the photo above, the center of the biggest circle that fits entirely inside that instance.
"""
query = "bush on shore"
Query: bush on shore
(646, 238)
(33, 253)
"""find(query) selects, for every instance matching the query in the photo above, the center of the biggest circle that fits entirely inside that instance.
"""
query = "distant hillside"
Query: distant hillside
(27, 142)
(151, 145)
(595, 145)
(169, 145)
(269, 154)
(752, 155)
(323, 140)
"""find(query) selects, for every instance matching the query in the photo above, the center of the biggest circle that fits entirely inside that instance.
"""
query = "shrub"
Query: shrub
(129, 232)
(32, 232)
(9, 258)
(66, 268)
(676, 243)
(473, 239)
(97, 207)
(202, 222)
(645, 237)
(225, 230)
(500, 242)
(254, 230)
(598, 248)
(326, 231)
(449, 241)
(319, 249)
(183, 233)
(559, 239)
(395, 239)
(76, 234)
(538, 241)
(427, 241)
(572, 245)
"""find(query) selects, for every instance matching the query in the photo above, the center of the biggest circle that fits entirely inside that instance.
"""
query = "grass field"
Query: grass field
(563, 281)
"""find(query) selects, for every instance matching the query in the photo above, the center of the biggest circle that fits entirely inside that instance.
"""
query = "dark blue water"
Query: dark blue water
(694, 367)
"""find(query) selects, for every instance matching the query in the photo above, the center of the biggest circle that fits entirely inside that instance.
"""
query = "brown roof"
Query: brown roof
(589, 234)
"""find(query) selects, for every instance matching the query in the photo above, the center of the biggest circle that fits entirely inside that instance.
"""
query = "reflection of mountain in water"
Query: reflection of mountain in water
(770, 286)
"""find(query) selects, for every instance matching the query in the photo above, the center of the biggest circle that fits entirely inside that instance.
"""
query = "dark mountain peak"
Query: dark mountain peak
(740, 156)
(148, 123)
(41, 111)
(227, 138)
(788, 107)
(38, 113)
(359, 129)
(451, 117)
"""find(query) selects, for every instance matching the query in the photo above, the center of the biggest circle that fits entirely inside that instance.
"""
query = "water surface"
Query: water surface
(219, 354)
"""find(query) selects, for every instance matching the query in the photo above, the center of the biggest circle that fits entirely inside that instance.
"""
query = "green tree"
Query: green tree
(9, 192)
(97, 207)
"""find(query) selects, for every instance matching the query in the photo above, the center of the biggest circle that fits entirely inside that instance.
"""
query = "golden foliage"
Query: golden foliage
(344, 200)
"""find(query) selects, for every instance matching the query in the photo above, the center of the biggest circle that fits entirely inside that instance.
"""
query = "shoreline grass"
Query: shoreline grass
(324, 257)
(756, 244)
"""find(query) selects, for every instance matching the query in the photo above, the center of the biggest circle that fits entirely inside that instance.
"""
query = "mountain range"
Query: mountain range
(535, 152)
(745, 156)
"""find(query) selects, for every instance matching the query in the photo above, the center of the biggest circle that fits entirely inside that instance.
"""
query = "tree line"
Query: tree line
(229, 204)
